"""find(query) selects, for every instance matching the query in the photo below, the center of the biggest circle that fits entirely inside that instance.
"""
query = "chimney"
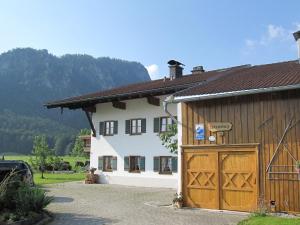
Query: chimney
(197, 70)
(175, 69)
(297, 38)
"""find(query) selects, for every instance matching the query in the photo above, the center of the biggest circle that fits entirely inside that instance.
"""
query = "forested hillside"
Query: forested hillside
(30, 77)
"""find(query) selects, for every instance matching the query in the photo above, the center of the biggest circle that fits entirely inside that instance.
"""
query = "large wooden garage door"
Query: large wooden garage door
(220, 178)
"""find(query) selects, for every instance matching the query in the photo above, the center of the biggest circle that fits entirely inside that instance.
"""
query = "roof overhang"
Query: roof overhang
(79, 103)
(176, 99)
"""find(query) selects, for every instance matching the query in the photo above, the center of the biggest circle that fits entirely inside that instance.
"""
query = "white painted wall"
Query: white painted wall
(147, 144)
(179, 149)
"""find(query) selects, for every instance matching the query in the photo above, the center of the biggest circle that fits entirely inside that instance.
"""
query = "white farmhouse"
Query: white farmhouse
(126, 122)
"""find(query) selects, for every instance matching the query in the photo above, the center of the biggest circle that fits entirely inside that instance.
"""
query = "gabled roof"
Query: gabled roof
(139, 90)
(248, 80)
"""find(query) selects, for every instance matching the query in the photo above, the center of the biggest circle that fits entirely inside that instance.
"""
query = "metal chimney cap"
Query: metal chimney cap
(296, 35)
(173, 62)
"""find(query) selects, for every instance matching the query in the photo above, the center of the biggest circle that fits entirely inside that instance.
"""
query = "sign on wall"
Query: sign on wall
(219, 126)
(199, 129)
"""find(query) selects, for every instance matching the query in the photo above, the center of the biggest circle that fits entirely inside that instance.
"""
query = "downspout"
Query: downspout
(166, 102)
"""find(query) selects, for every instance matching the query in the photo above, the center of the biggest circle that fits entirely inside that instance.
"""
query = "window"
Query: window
(134, 164)
(135, 126)
(165, 164)
(162, 124)
(165, 122)
(107, 163)
(108, 128)
(87, 143)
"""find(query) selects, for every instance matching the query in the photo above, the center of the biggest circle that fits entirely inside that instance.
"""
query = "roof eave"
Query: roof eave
(95, 100)
(233, 93)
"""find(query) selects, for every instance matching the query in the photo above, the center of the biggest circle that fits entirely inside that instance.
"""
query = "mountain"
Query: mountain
(30, 77)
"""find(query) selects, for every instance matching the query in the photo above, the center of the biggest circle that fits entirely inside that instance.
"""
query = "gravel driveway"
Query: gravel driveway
(78, 204)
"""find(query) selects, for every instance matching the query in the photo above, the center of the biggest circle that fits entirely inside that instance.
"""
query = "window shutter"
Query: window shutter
(142, 163)
(114, 163)
(156, 161)
(101, 128)
(156, 125)
(127, 127)
(174, 164)
(116, 127)
(143, 125)
(126, 163)
(100, 163)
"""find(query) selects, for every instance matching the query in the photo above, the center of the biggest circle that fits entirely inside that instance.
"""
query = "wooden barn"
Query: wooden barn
(239, 139)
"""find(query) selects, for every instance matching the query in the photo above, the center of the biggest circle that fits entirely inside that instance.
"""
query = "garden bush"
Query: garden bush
(18, 200)
(8, 189)
(31, 199)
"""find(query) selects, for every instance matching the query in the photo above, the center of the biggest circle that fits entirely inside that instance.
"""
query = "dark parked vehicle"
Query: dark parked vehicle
(19, 166)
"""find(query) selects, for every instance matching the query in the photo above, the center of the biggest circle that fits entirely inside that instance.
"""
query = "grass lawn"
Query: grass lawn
(52, 178)
(269, 220)
(25, 158)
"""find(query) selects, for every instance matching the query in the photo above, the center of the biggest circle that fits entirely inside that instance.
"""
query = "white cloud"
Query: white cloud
(276, 31)
(250, 43)
(153, 71)
(272, 34)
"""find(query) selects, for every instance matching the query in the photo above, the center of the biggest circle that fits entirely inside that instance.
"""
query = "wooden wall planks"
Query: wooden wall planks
(247, 113)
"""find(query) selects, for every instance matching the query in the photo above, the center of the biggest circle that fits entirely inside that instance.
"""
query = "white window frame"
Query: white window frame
(165, 123)
(108, 128)
(135, 126)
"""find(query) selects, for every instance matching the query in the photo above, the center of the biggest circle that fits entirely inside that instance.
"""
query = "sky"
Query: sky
(214, 34)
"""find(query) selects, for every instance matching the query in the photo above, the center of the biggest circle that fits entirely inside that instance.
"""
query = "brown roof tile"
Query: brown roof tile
(255, 77)
(155, 87)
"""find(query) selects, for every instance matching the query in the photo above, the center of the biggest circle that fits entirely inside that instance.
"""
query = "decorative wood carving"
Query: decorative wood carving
(153, 100)
(91, 109)
(119, 105)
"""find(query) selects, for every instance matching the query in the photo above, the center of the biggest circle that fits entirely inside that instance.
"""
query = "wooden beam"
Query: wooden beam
(88, 115)
(91, 109)
(153, 100)
(119, 105)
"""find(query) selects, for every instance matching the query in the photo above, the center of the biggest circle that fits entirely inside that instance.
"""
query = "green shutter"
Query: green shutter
(101, 128)
(116, 127)
(156, 125)
(174, 164)
(156, 161)
(142, 163)
(127, 127)
(100, 163)
(126, 163)
(114, 163)
(143, 125)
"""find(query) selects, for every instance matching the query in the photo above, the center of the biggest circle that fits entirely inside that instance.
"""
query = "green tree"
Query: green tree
(61, 143)
(78, 148)
(41, 153)
(169, 138)
(85, 131)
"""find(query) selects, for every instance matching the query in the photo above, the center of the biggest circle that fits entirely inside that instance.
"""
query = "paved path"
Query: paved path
(79, 204)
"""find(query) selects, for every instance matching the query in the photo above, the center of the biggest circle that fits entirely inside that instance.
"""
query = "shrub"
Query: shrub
(29, 199)
(14, 217)
(8, 189)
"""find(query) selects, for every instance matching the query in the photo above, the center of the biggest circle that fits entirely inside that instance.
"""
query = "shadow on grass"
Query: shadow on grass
(79, 219)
